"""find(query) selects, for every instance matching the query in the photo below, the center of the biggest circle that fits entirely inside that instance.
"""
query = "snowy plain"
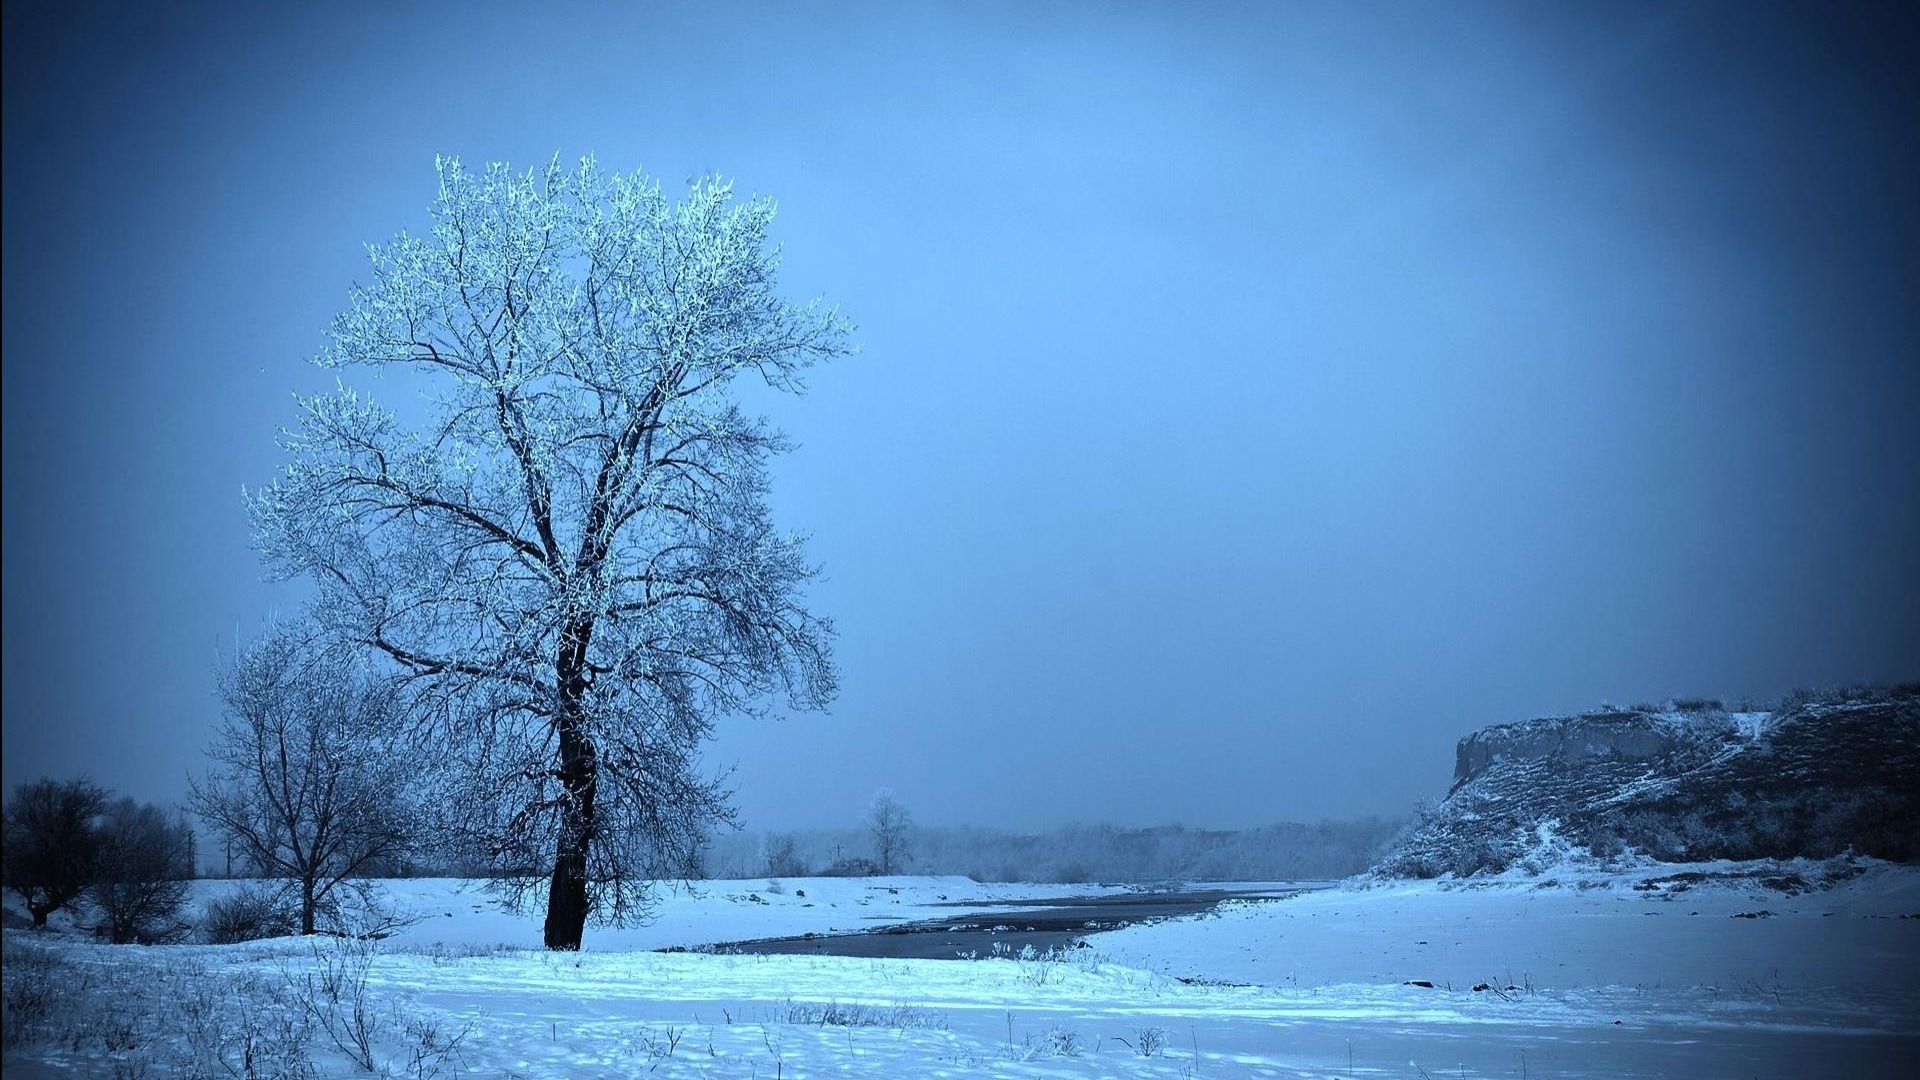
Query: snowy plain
(692, 914)
(1605, 980)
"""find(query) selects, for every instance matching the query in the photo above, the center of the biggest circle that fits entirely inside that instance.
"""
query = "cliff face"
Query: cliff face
(1815, 779)
(1628, 736)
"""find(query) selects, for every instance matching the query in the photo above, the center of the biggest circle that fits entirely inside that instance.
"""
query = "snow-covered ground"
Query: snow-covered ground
(1609, 933)
(1626, 975)
(700, 913)
(1610, 981)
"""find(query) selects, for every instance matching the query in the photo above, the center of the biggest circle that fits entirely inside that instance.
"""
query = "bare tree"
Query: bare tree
(309, 787)
(570, 556)
(51, 845)
(141, 875)
(892, 827)
(191, 838)
(782, 857)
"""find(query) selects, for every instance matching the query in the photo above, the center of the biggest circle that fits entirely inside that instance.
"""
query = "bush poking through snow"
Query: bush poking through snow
(1147, 1042)
(334, 996)
(36, 986)
(248, 913)
(1055, 1042)
(431, 1049)
(1043, 967)
(160, 1014)
(841, 1014)
(172, 1018)
(655, 1047)
(444, 954)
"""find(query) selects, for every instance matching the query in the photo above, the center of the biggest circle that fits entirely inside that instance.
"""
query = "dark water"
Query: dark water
(1011, 925)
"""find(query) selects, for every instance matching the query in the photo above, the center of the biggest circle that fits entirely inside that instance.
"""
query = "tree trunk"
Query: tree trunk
(579, 770)
(567, 893)
(306, 906)
(39, 914)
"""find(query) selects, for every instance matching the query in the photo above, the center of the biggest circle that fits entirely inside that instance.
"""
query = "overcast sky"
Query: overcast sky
(1254, 399)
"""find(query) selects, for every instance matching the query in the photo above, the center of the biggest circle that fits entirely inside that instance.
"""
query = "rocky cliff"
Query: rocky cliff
(1815, 777)
(1616, 736)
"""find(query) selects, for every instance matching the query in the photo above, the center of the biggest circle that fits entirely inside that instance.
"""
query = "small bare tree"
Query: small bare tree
(892, 827)
(141, 874)
(50, 843)
(783, 858)
(308, 786)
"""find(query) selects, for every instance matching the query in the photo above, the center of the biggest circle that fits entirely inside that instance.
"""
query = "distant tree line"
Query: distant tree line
(1073, 853)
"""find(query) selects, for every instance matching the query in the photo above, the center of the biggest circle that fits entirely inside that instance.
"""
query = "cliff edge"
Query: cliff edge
(1820, 775)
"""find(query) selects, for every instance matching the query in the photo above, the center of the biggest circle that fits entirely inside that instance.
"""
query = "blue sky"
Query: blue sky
(1254, 397)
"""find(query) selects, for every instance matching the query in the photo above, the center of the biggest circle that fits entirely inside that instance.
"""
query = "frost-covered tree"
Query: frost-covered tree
(891, 826)
(567, 551)
(307, 786)
(141, 874)
(51, 844)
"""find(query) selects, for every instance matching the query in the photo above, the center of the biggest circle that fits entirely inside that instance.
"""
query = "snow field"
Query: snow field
(1610, 981)
(700, 913)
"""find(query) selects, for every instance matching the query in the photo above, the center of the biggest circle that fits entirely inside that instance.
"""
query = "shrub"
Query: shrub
(1148, 1041)
(248, 913)
(335, 997)
(852, 868)
(35, 987)
(840, 1014)
(1698, 705)
(1072, 872)
(1482, 854)
(1055, 1042)
(1801, 697)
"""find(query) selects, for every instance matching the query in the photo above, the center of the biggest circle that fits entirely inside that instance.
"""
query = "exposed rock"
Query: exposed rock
(1815, 779)
(1627, 735)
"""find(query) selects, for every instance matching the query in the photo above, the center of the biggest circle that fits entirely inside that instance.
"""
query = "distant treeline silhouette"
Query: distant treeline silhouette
(1073, 853)
(1286, 851)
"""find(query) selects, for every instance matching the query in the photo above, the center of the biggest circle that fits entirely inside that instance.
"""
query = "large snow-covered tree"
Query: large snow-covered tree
(566, 549)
